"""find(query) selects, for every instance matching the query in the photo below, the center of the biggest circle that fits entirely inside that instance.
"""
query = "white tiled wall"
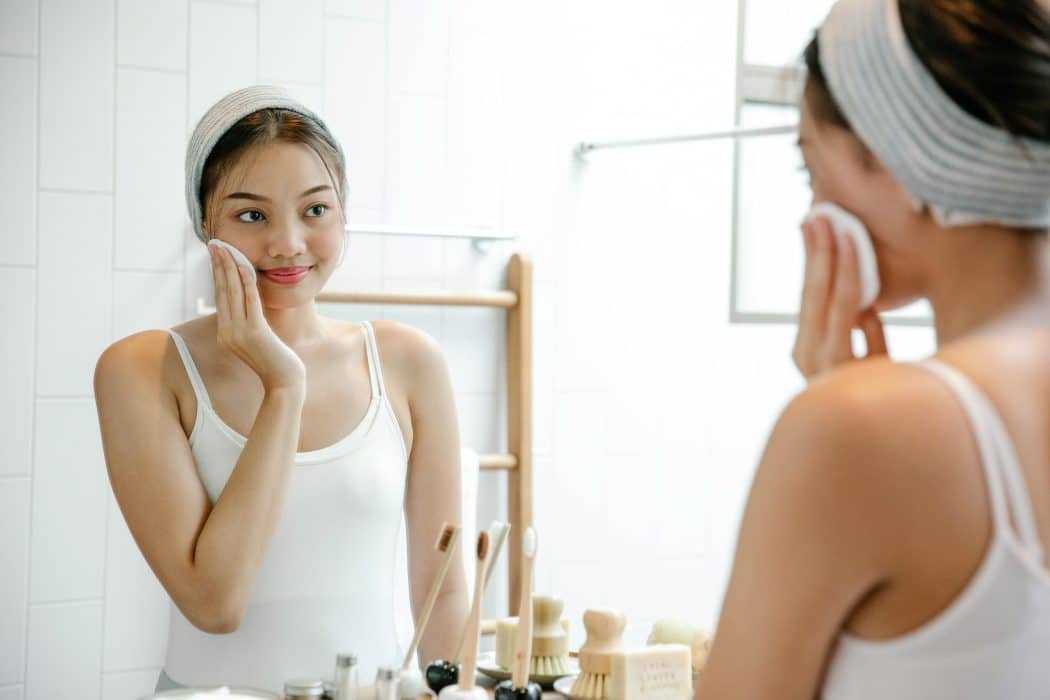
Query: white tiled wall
(650, 409)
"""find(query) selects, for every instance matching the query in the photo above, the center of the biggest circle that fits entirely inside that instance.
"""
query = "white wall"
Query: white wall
(650, 409)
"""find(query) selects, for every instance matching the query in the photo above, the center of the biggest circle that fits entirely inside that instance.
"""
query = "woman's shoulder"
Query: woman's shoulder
(863, 430)
(139, 360)
(874, 393)
(149, 357)
(406, 348)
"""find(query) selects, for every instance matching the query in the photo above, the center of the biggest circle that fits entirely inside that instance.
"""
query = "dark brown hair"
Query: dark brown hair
(267, 126)
(991, 57)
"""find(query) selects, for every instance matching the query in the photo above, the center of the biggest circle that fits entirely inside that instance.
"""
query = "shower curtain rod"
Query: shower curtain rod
(471, 233)
(585, 147)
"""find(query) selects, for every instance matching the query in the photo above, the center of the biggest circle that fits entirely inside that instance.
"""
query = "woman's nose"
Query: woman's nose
(288, 240)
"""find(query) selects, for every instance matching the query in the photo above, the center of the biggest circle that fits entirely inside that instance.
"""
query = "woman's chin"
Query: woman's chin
(893, 303)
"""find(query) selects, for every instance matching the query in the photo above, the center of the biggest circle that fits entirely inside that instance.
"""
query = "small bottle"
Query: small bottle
(303, 689)
(386, 683)
(345, 677)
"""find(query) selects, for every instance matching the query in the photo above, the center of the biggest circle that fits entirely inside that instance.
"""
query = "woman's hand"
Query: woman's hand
(243, 329)
(830, 295)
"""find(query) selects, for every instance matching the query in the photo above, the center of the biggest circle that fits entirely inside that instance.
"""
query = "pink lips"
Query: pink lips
(286, 275)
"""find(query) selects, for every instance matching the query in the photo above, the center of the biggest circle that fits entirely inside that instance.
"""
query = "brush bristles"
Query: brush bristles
(590, 685)
(445, 538)
(528, 544)
(483, 545)
(549, 666)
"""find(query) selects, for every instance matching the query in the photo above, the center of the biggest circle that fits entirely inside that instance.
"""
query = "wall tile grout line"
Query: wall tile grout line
(363, 20)
(258, 41)
(186, 134)
(64, 603)
(139, 669)
(322, 108)
(71, 190)
(386, 120)
(147, 270)
(151, 69)
(112, 327)
(14, 54)
(386, 142)
(419, 93)
(229, 3)
(36, 339)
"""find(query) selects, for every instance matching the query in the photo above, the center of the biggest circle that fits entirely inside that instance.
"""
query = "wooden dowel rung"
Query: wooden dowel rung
(503, 462)
(497, 299)
(488, 627)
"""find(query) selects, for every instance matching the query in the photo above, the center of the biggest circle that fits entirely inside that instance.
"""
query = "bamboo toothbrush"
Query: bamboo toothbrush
(446, 543)
(442, 673)
(523, 648)
(519, 687)
(465, 689)
(497, 536)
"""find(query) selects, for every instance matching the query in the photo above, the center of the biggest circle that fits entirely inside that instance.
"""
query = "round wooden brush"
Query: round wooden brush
(550, 642)
(604, 637)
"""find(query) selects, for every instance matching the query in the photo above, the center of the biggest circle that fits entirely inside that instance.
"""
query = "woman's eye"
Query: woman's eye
(317, 210)
(250, 216)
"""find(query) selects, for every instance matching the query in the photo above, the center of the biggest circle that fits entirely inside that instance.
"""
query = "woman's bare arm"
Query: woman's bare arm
(818, 535)
(432, 492)
(205, 557)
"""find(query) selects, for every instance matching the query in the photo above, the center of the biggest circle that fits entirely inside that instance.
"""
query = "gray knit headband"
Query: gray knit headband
(964, 170)
(218, 120)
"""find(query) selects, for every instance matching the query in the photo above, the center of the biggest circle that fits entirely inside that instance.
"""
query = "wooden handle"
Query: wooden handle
(496, 546)
(470, 660)
(546, 612)
(604, 636)
(428, 606)
(523, 647)
(498, 299)
(604, 628)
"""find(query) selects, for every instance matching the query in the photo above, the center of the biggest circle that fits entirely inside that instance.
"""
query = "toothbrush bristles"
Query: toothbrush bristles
(445, 539)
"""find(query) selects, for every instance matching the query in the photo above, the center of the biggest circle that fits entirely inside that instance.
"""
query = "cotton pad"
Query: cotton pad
(845, 224)
(238, 256)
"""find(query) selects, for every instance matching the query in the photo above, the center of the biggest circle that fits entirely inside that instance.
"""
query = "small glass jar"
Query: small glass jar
(303, 689)
(345, 677)
(386, 683)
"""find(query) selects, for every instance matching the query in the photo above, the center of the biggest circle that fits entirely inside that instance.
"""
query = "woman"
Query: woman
(262, 455)
(892, 542)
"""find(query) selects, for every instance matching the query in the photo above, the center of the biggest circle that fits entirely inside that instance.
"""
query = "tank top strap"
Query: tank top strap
(1006, 484)
(375, 370)
(191, 369)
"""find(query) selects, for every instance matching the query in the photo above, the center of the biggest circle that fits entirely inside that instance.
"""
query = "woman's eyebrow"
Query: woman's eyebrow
(260, 198)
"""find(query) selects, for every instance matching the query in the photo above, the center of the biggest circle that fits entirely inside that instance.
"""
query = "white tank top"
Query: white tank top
(993, 641)
(327, 581)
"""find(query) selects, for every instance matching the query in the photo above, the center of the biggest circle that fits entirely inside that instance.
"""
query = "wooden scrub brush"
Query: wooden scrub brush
(604, 638)
(550, 642)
